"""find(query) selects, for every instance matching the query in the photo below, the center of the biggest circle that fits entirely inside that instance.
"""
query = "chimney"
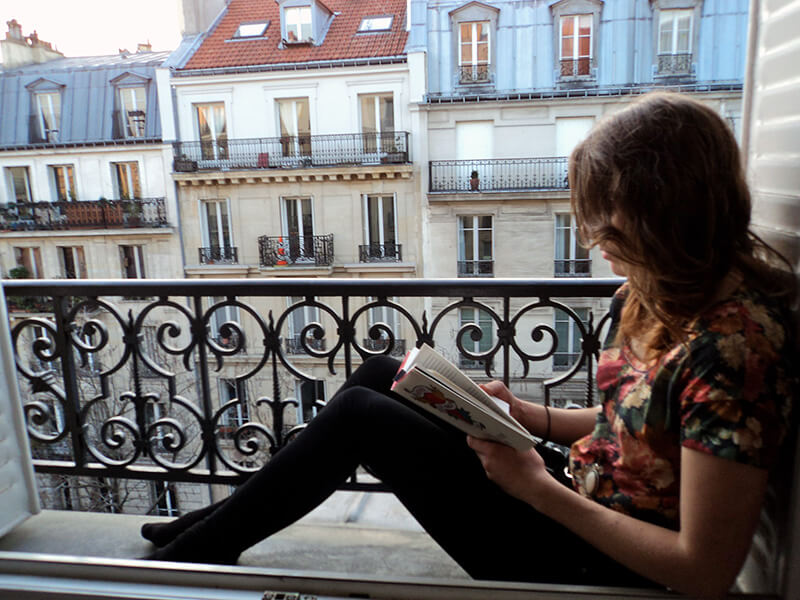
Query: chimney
(16, 50)
(146, 47)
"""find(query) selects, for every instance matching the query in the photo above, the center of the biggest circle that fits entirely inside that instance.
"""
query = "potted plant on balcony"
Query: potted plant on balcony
(133, 212)
(474, 181)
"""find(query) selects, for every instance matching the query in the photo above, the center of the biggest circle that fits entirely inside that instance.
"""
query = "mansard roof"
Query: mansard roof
(342, 42)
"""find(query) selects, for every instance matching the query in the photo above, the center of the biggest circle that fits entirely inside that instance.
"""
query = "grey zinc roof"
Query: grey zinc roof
(88, 96)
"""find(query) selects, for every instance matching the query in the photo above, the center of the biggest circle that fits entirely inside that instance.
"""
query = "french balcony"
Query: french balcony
(473, 74)
(292, 152)
(571, 68)
(498, 175)
(476, 268)
(573, 267)
(295, 250)
(377, 252)
(83, 214)
(214, 255)
(674, 65)
(117, 437)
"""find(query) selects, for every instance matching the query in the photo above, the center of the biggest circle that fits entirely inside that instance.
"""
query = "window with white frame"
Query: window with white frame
(297, 23)
(297, 217)
(239, 414)
(62, 183)
(72, 262)
(165, 500)
(576, 45)
(382, 23)
(227, 338)
(475, 246)
(380, 229)
(212, 130)
(675, 41)
(387, 316)
(474, 56)
(484, 321)
(48, 112)
(568, 350)
(299, 318)
(294, 123)
(216, 224)
(132, 262)
(29, 258)
(307, 394)
(133, 111)
(253, 29)
(125, 176)
(377, 122)
(19, 184)
(571, 258)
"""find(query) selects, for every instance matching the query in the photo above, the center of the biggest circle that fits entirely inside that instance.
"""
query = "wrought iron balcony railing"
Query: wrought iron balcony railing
(218, 254)
(476, 268)
(118, 434)
(297, 250)
(293, 152)
(498, 175)
(576, 67)
(83, 214)
(674, 64)
(377, 252)
(573, 267)
(473, 74)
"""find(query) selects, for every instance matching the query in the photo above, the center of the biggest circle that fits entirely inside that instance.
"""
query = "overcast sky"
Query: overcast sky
(95, 27)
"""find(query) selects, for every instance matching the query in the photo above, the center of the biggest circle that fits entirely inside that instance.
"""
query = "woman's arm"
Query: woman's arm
(566, 425)
(720, 501)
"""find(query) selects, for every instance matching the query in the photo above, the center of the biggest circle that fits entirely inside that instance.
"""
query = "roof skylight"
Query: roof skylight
(248, 30)
(383, 23)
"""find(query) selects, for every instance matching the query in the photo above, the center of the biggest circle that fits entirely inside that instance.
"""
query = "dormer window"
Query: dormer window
(474, 55)
(251, 30)
(298, 23)
(48, 113)
(576, 45)
(383, 23)
(133, 111)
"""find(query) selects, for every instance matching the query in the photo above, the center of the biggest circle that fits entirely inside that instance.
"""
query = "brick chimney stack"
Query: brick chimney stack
(144, 47)
(17, 50)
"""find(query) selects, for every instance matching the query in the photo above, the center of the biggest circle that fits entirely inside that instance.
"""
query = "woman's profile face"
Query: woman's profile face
(617, 266)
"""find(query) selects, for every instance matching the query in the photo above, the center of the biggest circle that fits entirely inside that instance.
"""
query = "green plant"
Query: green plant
(19, 273)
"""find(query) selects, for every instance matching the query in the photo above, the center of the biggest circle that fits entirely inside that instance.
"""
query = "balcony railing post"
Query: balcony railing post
(199, 334)
(71, 391)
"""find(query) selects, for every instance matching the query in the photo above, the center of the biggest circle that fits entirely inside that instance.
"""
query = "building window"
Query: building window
(308, 392)
(216, 228)
(19, 184)
(297, 23)
(48, 113)
(62, 183)
(72, 262)
(238, 415)
(212, 130)
(294, 124)
(380, 228)
(576, 45)
(251, 30)
(475, 247)
(125, 176)
(675, 42)
(165, 501)
(30, 259)
(387, 316)
(383, 23)
(298, 229)
(299, 318)
(132, 262)
(377, 122)
(484, 321)
(133, 111)
(474, 52)
(571, 259)
(568, 350)
(223, 336)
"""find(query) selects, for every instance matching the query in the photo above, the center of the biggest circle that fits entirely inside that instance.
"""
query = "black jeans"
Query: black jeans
(430, 469)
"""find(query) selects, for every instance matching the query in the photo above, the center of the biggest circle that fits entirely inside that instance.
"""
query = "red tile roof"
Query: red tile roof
(342, 40)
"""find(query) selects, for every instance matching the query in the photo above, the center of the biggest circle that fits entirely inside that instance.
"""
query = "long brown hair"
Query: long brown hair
(661, 184)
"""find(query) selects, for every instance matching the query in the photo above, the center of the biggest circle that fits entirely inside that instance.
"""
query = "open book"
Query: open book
(432, 382)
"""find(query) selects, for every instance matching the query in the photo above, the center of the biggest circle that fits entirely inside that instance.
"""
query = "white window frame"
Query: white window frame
(33, 256)
(301, 241)
(12, 188)
(573, 346)
(365, 198)
(222, 206)
(221, 316)
(485, 322)
(44, 103)
(250, 30)
(299, 318)
(673, 16)
(377, 99)
(137, 252)
(376, 23)
(475, 270)
(125, 172)
(231, 389)
(78, 256)
(297, 148)
(295, 25)
(569, 263)
(133, 100)
(66, 174)
(218, 130)
(474, 62)
(576, 19)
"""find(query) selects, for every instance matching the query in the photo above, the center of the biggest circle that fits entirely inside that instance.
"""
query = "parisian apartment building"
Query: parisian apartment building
(335, 139)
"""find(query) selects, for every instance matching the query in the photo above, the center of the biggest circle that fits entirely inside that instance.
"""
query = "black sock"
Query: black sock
(161, 534)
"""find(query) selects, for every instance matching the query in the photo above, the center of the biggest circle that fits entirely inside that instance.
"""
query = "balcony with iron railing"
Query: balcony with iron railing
(295, 250)
(474, 74)
(83, 214)
(212, 255)
(674, 65)
(377, 252)
(475, 268)
(293, 152)
(191, 442)
(498, 175)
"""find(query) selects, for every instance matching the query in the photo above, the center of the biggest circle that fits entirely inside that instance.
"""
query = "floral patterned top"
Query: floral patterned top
(727, 392)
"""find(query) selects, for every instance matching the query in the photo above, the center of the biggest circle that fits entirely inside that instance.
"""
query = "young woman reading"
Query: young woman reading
(696, 383)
